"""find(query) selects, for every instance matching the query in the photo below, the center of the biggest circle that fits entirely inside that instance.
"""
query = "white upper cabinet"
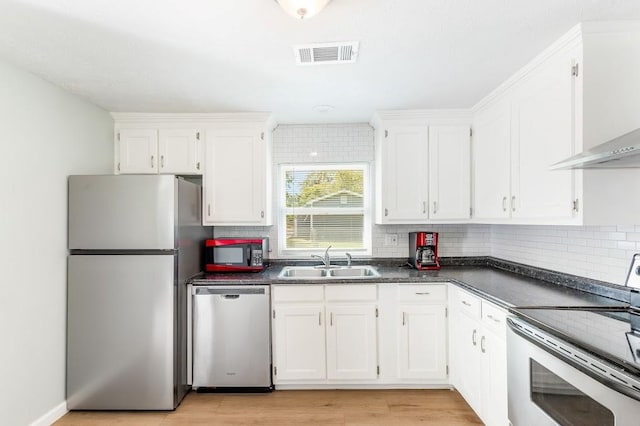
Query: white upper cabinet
(543, 111)
(403, 160)
(157, 143)
(138, 149)
(237, 183)
(578, 93)
(422, 167)
(517, 138)
(449, 172)
(179, 151)
(492, 162)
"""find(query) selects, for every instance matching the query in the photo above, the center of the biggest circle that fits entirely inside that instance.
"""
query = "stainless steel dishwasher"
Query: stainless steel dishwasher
(231, 337)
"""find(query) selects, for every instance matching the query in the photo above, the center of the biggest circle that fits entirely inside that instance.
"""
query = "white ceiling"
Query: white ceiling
(235, 55)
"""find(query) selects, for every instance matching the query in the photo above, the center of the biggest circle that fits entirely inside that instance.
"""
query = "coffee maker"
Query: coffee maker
(423, 250)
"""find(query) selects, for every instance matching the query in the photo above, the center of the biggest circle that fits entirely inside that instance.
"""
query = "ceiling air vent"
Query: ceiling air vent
(326, 53)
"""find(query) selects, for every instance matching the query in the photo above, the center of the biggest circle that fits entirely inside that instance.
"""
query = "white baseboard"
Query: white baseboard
(54, 414)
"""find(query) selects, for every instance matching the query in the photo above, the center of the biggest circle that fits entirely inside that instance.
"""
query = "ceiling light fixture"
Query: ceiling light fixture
(302, 9)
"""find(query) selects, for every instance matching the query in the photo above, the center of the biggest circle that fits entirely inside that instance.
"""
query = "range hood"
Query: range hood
(619, 153)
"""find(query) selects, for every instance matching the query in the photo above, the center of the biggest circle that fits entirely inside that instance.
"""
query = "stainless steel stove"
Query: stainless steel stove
(576, 365)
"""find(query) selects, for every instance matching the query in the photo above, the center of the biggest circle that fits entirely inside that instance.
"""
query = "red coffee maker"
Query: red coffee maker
(423, 250)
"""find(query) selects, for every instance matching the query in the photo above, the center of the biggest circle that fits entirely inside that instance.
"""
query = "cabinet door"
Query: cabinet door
(299, 342)
(466, 361)
(422, 342)
(403, 159)
(351, 342)
(179, 151)
(449, 172)
(491, 144)
(494, 379)
(543, 123)
(138, 151)
(235, 177)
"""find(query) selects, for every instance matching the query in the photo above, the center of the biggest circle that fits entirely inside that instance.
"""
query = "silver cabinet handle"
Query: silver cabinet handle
(331, 319)
(435, 207)
(198, 165)
(513, 203)
(482, 344)
(423, 293)
(152, 162)
(319, 318)
(162, 161)
(504, 203)
(473, 337)
(404, 318)
(492, 318)
(424, 207)
(465, 303)
(208, 209)
(386, 212)
(262, 214)
(575, 205)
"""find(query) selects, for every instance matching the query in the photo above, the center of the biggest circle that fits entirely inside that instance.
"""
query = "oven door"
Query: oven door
(547, 388)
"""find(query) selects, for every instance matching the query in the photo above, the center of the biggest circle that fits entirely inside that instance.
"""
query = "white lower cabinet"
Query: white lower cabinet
(354, 335)
(422, 332)
(351, 341)
(299, 337)
(324, 334)
(479, 355)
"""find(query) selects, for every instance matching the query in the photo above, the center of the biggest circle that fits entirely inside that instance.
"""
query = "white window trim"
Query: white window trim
(366, 209)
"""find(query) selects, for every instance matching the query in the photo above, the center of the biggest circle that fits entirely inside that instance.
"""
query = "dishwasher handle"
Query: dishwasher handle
(228, 293)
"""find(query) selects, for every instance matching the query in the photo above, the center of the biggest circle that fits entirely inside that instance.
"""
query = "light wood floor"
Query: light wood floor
(321, 407)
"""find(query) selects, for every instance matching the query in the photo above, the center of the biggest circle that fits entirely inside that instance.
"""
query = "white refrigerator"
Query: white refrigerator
(134, 240)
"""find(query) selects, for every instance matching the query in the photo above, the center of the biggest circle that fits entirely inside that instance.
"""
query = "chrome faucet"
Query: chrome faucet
(348, 259)
(326, 260)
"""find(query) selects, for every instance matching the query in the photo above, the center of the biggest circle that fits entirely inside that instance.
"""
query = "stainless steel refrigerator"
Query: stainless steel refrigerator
(133, 242)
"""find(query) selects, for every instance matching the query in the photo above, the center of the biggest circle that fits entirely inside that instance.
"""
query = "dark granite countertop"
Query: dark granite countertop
(504, 283)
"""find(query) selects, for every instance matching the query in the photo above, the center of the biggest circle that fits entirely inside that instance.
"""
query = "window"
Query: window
(324, 205)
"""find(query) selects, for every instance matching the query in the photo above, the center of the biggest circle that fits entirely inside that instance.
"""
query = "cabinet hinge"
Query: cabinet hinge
(386, 133)
(376, 312)
(574, 70)
(274, 314)
(198, 135)
(378, 370)
(275, 370)
(262, 136)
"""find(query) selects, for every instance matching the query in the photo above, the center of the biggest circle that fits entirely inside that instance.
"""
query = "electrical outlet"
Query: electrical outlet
(390, 239)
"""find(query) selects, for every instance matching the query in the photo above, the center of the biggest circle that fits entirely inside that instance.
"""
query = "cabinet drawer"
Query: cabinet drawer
(422, 292)
(297, 293)
(351, 292)
(493, 317)
(467, 303)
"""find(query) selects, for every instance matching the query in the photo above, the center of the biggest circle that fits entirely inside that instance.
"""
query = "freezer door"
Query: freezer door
(121, 329)
(126, 212)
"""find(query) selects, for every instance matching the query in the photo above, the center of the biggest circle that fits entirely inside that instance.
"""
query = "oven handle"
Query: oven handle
(593, 367)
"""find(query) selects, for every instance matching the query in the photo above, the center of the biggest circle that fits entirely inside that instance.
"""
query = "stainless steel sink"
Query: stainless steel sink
(302, 272)
(354, 272)
(333, 272)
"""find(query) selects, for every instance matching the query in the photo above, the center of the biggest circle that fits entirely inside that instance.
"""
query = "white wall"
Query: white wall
(602, 253)
(46, 134)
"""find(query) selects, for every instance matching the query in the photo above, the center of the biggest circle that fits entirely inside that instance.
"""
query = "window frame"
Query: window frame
(283, 210)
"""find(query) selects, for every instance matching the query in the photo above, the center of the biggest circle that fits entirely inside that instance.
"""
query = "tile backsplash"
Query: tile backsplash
(598, 252)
